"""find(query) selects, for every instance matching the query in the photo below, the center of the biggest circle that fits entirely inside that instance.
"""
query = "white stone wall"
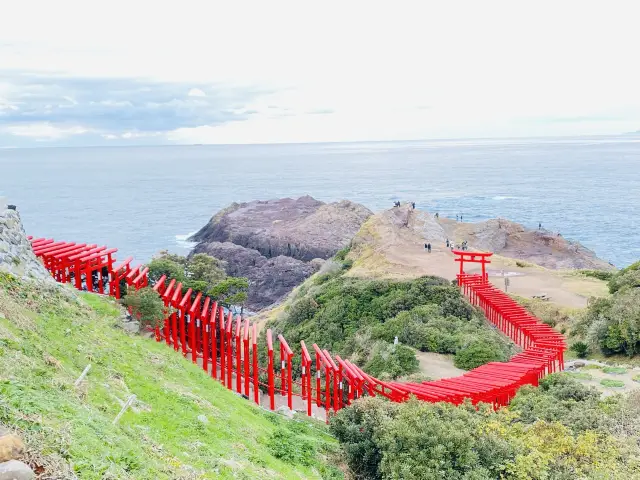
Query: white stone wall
(16, 254)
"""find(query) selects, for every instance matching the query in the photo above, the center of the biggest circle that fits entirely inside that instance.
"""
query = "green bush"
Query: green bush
(604, 275)
(615, 370)
(291, 448)
(478, 353)
(562, 431)
(607, 382)
(581, 349)
(146, 306)
(626, 278)
(393, 361)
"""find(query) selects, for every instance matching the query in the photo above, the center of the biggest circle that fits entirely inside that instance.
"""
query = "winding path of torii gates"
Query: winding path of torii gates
(227, 347)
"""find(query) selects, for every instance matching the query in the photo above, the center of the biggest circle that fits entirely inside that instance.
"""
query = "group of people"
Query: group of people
(463, 246)
(413, 205)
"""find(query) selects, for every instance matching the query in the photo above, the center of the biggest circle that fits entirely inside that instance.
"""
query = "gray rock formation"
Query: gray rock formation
(302, 228)
(270, 279)
(277, 244)
(16, 254)
(513, 240)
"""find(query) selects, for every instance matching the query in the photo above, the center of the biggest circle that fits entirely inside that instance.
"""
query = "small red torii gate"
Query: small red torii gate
(463, 256)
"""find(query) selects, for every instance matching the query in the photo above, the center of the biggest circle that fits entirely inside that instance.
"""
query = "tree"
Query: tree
(165, 266)
(146, 306)
(230, 291)
(204, 268)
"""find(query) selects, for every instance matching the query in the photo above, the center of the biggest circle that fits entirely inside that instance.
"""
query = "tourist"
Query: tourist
(447, 243)
(456, 218)
(460, 217)
(437, 215)
(429, 247)
(413, 205)
(540, 226)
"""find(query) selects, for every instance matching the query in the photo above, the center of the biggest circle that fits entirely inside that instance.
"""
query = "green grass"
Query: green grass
(592, 366)
(581, 375)
(48, 338)
(615, 370)
(606, 382)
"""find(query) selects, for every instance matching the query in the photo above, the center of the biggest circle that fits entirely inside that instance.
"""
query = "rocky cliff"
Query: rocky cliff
(16, 254)
(277, 244)
(302, 228)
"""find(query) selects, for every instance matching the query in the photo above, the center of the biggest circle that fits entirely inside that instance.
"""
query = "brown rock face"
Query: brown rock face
(276, 243)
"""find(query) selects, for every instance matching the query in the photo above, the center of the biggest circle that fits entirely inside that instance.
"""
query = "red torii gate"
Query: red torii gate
(473, 257)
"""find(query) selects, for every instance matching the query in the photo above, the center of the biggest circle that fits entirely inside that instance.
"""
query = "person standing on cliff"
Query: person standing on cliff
(540, 226)
(429, 247)
(456, 218)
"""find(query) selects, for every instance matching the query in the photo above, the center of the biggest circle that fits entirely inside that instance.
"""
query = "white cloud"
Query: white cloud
(45, 131)
(196, 92)
(483, 68)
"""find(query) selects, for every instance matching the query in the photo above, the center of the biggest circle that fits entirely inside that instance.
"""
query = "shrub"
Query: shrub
(478, 353)
(607, 382)
(615, 370)
(521, 264)
(145, 305)
(393, 360)
(581, 349)
(599, 274)
(626, 278)
(291, 448)
(636, 378)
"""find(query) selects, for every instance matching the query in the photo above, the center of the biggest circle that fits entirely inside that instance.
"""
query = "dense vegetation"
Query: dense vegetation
(612, 325)
(560, 431)
(361, 318)
(183, 425)
(200, 273)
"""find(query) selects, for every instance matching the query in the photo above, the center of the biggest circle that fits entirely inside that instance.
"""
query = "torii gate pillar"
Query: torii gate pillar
(473, 257)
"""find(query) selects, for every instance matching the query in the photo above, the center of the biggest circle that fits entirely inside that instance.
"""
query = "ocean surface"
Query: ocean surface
(145, 199)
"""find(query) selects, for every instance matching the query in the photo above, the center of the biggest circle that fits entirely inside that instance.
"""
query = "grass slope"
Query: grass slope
(47, 337)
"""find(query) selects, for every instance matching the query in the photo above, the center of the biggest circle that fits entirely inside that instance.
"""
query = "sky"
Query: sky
(77, 73)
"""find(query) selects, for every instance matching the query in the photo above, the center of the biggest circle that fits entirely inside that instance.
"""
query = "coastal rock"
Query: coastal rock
(16, 470)
(16, 254)
(302, 228)
(277, 244)
(270, 279)
(511, 239)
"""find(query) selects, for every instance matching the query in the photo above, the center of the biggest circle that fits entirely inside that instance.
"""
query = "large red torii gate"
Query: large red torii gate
(473, 257)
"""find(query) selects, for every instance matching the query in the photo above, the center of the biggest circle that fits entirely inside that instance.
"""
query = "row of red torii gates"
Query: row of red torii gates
(227, 347)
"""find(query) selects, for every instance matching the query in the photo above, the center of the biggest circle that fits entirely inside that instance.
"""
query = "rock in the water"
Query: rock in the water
(302, 228)
(277, 244)
(11, 447)
(16, 470)
(16, 254)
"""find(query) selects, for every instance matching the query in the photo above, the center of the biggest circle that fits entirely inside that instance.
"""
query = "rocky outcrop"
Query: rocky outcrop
(16, 254)
(510, 239)
(277, 244)
(270, 279)
(302, 228)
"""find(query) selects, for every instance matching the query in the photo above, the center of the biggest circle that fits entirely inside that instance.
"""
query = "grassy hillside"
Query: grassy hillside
(184, 426)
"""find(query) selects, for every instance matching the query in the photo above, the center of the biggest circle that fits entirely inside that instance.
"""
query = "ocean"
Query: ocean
(145, 199)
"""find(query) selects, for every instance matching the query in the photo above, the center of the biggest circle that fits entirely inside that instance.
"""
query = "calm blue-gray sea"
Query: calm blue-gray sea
(144, 199)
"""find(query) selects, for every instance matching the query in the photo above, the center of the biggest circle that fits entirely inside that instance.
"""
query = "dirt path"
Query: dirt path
(437, 365)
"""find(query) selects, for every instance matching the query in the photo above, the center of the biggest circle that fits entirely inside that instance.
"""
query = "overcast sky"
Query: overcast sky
(136, 72)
